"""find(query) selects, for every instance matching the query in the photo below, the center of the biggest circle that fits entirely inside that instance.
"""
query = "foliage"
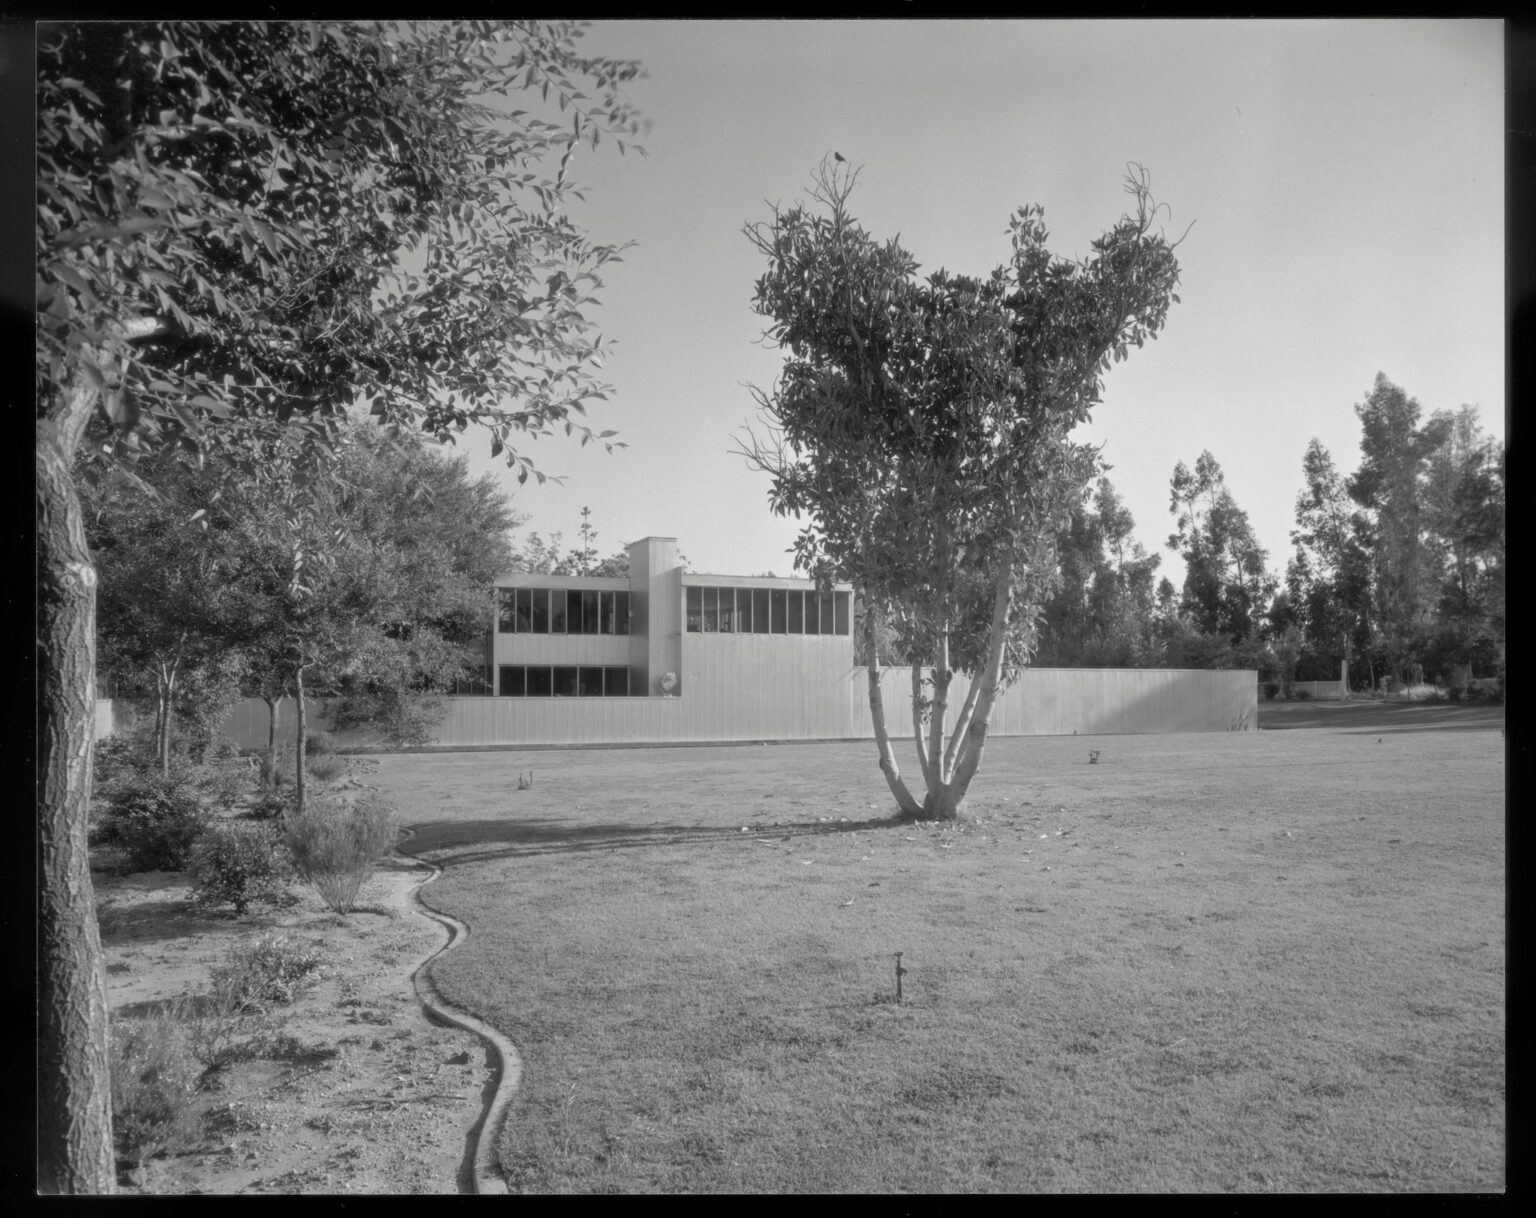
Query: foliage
(238, 863)
(1271, 688)
(114, 759)
(402, 719)
(271, 805)
(1226, 584)
(319, 743)
(154, 1084)
(272, 970)
(242, 229)
(921, 429)
(335, 846)
(156, 818)
(252, 187)
(1103, 614)
(327, 767)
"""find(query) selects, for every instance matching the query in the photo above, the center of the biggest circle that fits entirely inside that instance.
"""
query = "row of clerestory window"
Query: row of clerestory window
(561, 681)
(561, 611)
(767, 611)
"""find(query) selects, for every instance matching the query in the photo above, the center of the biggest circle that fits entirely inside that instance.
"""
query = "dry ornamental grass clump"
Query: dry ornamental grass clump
(334, 846)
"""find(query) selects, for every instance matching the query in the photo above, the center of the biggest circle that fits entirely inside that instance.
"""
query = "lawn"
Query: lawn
(1233, 962)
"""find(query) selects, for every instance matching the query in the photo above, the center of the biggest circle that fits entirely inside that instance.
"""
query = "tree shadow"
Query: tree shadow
(1364, 718)
(452, 843)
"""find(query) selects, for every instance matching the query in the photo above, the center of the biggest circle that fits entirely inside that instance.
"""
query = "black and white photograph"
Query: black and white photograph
(770, 606)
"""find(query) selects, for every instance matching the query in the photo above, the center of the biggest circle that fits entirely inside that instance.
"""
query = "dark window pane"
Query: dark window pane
(572, 611)
(621, 612)
(744, 610)
(589, 612)
(616, 682)
(524, 610)
(812, 613)
(540, 611)
(590, 682)
(504, 610)
(539, 683)
(776, 602)
(843, 625)
(514, 681)
(556, 611)
(565, 682)
(605, 613)
(825, 602)
(759, 610)
(695, 610)
(727, 610)
(796, 612)
(711, 610)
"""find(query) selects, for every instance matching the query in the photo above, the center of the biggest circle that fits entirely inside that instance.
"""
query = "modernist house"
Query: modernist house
(594, 637)
(669, 657)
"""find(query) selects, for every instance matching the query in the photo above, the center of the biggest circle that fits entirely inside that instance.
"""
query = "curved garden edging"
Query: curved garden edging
(509, 1064)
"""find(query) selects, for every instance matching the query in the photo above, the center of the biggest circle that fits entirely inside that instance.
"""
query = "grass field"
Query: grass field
(1233, 962)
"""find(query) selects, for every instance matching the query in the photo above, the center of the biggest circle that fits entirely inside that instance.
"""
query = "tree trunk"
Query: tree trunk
(968, 759)
(269, 762)
(917, 726)
(888, 766)
(300, 803)
(74, 1106)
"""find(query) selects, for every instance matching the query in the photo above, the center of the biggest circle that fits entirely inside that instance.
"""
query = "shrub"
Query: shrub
(327, 767)
(334, 847)
(271, 805)
(113, 760)
(1302, 695)
(270, 971)
(1271, 688)
(319, 744)
(221, 783)
(154, 1078)
(155, 818)
(237, 864)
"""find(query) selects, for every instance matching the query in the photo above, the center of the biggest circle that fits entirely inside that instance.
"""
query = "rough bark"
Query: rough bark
(74, 1107)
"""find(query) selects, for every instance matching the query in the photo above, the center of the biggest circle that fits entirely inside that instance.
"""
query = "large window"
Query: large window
(765, 611)
(561, 681)
(561, 611)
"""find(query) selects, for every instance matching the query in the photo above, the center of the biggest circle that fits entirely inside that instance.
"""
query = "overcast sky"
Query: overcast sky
(1345, 180)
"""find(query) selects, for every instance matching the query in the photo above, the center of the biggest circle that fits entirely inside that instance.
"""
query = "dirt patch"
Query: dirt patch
(351, 1090)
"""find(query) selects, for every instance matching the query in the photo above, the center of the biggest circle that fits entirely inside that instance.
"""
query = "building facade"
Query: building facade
(668, 657)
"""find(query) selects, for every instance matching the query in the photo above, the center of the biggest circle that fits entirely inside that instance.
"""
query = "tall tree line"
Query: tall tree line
(1397, 569)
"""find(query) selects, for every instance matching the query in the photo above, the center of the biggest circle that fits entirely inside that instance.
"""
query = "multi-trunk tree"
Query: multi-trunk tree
(922, 429)
(246, 227)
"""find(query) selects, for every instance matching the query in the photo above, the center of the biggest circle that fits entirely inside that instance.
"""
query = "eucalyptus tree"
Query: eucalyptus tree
(247, 226)
(921, 428)
(1328, 578)
(1390, 485)
(1227, 585)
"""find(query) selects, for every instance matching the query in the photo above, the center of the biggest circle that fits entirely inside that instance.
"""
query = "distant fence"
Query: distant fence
(1313, 689)
(1044, 702)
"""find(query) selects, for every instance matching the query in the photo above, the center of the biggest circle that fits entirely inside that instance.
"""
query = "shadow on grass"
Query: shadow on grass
(473, 841)
(1366, 717)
